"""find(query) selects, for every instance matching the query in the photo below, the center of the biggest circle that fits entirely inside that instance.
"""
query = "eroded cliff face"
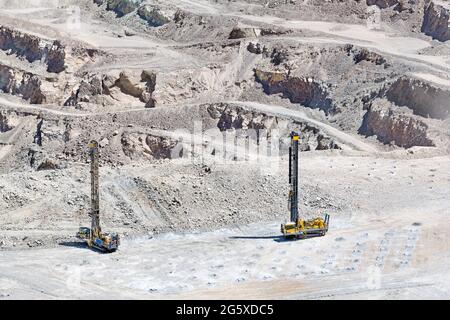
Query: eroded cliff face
(393, 126)
(156, 16)
(33, 48)
(23, 84)
(121, 7)
(436, 22)
(252, 124)
(306, 91)
(421, 97)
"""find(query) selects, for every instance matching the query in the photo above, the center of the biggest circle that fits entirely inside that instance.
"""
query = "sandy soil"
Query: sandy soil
(394, 245)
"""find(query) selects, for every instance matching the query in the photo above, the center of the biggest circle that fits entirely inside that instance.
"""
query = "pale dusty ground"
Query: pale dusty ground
(395, 245)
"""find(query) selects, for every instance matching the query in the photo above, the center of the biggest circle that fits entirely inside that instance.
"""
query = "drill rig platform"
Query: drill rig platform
(298, 228)
(95, 238)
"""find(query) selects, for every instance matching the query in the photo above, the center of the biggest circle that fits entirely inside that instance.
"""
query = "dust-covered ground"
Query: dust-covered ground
(192, 103)
(393, 245)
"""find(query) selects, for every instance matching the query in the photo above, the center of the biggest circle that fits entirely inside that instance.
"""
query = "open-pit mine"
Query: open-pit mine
(192, 105)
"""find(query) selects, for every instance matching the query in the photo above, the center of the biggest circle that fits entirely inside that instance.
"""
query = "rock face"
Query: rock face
(240, 33)
(55, 57)
(423, 98)
(436, 22)
(33, 48)
(393, 126)
(122, 7)
(155, 15)
(142, 90)
(7, 79)
(30, 89)
(360, 55)
(160, 147)
(23, 84)
(250, 123)
(4, 122)
(298, 90)
(147, 146)
(87, 90)
(101, 86)
(383, 4)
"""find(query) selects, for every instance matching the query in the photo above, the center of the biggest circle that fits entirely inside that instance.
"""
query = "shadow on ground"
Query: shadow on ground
(274, 238)
(74, 244)
(81, 245)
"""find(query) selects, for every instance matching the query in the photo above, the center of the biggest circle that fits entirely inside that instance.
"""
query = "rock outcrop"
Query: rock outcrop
(305, 91)
(4, 122)
(160, 147)
(436, 22)
(244, 32)
(33, 48)
(122, 7)
(142, 90)
(423, 98)
(383, 4)
(362, 54)
(100, 86)
(147, 146)
(87, 89)
(155, 16)
(390, 125)
(253, 124)
(23, 84)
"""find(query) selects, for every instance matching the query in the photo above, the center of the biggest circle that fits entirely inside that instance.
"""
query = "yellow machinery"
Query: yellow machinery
(94, 237)
(298, 228)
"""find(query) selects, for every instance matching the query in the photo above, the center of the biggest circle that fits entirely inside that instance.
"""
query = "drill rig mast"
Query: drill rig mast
(94, 237)
(293, 176)
(95, 197)
(299, 228)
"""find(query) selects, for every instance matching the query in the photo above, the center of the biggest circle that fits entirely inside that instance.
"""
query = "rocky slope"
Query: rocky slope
(151, 79)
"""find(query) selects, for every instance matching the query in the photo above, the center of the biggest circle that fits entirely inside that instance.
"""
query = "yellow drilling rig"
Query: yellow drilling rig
(95, 238)
(298, 228)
